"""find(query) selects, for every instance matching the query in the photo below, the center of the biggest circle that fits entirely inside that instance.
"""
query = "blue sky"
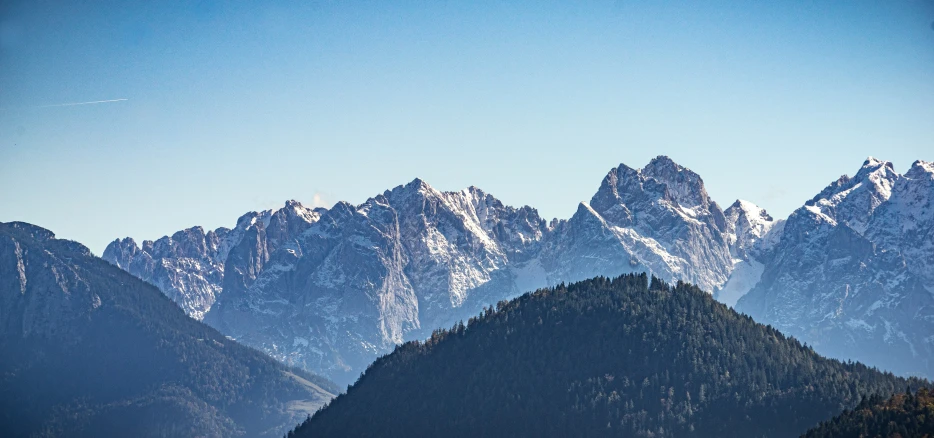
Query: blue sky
(232, 108)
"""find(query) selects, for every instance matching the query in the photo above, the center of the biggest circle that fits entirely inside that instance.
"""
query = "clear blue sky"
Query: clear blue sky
(232, 108)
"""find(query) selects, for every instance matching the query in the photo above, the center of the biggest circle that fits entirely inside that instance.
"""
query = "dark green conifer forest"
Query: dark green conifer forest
(622, 357)
(906, 415)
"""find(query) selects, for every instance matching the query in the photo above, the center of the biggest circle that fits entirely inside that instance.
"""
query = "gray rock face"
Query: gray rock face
(851, 271)
(750, 232)
(658, 219)
(65, 298)
(330, 290)
(189, 266)
(905, 223)
(365, 278)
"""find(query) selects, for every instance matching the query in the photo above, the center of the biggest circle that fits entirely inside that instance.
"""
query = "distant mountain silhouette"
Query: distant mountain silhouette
(88, 350)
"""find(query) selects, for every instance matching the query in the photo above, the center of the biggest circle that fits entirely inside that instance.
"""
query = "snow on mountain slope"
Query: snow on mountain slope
(906, 222)
(852, 201)
(658, 219)
(330, 290)
(750, 231)
(747, 223)
(849, 273)
(365, 278)
(189, 266)
(186, 266)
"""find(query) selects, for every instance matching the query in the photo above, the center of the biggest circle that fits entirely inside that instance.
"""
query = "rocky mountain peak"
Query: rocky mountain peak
(744, 215)
(851, 201)
(873, 164)
(921, 169)
(905, 222)
(660, 184)
(748, 210)
(747, 225)
(413, 194)
(293, 208)
(247, 220)
(880, 174)
(41, 295)
(121, 252)
(342, 206)
(189, 266)
(419, 185)
(621, 189)
(38, 233)
(684, 185)
(644, 221)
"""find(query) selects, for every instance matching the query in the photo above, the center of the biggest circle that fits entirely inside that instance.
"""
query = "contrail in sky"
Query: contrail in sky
(83, 103)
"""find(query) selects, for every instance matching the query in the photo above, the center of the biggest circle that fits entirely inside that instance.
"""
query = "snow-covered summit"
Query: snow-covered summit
(749, 233)
(849, 273)
(747, 219)
(921, 169)
(851, 200)
(657, 219)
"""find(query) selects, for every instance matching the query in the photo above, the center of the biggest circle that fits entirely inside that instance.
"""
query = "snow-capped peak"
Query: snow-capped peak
(851, 201)
(684, 185)
(296, 209)
(920, 169)
(876, 171)
(417, 188)
(759, 221)
(874, 162)
(751, 209)
(420, 185)
(747, 224)
(750, 232)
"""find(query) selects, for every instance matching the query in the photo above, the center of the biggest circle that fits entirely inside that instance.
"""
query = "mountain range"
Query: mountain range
(331, 289)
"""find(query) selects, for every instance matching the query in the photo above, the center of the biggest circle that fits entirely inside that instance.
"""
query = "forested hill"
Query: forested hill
(602, 357)
(87, 349)
(904, 415)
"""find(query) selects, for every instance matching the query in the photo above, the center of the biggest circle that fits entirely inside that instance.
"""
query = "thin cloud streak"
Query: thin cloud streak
(83, 103)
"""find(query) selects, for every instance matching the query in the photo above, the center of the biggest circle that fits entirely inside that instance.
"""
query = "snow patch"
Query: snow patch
(745, 276)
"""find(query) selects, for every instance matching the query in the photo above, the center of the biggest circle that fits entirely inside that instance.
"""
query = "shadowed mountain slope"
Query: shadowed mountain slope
(87, 349)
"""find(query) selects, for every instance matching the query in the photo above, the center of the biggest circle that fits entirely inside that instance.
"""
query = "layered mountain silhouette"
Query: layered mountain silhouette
(87, 350)
(331, 289)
